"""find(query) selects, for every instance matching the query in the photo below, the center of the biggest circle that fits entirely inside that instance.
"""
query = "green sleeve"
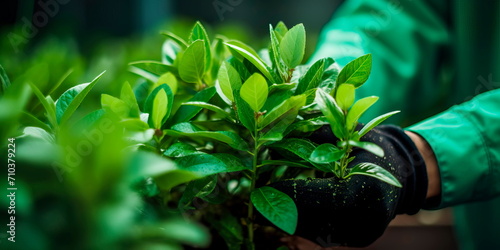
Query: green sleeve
(406, 40)
(466, 142)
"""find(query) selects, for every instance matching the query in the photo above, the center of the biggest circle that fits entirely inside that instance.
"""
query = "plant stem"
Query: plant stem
(253, 180)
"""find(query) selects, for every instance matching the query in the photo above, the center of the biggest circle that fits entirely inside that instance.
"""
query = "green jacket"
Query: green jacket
(427, 57)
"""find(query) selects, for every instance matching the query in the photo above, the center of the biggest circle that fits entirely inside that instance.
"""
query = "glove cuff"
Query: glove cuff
(414, 174)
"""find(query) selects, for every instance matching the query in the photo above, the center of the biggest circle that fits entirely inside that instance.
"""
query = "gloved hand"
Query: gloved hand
(355, 211)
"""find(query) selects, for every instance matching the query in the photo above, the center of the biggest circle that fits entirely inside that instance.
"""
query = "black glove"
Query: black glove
(355, 211)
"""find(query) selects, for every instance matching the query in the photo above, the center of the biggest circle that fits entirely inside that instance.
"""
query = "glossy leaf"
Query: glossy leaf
(166, 173)
(169, 79)
(175, 38)
(229, 81)
(50, 111)
(208, 164)
(211, 107)
(326, 153)
(356, 72)
(303, 149)
(285, 106)
(280, 30)
(254, 91)
(192, 64)
(278, 127)
(70, 100)
(376, 121)
(128, 96)
(251, 56)
(160, 106)
(372, 170)
(39, 133)
(245, 113)
(153, 67)
(332, 112)
(312, 78)
(368, 146)
(358, 109)
(277, 207)
(345, 96)
(292, 46)
(185, 113)
(181, 149)
(227, 137)
(114, 105)
(198, 188)
(199, 33)
(275, 54)
(171, 51)
(149, 104)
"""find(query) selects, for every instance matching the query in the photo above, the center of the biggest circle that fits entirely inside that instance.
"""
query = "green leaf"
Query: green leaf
(303, 149)
(70, 100)
(114, 105)
(149, 104)
(185, 113)
(39, 133)
(326, 153)
(50, 111)
(292, 46)
(192, 63)
(368, 146)
(358, 109)
(211, 107)
(293, 102)
(152, 67)
(89, 120)
(275, 54)
(208, 164)
(228, 81)
(278, 127)
(356, 72)
(160, 106)
(245, 113)
(60, 81)
(254, 91)
(345, 96)
(168, 234)
(134, 124)
(332, 112)
(277, 207)
(197, 188)
(229, 228)
(128, 96)
(169, 79)
(199, 33)
(312, 78)
(370, 169)
(280, 30)
(171, 51)
(251, 56)
(181, 149)
(28, 119)
(4, 78)
(376, 121)
(165, 172)
(227, 137)
(240, 68)
(175, 38)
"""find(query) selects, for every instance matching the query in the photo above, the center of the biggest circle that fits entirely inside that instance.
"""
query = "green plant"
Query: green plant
(202, 128)
(265, 101)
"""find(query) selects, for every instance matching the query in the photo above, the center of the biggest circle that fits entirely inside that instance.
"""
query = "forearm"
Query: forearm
(434, 187)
